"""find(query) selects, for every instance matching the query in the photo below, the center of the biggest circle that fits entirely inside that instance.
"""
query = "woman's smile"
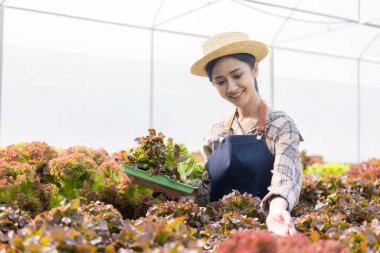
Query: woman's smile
(237, 95)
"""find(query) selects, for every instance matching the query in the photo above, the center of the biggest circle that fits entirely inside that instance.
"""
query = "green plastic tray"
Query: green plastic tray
(159, 179)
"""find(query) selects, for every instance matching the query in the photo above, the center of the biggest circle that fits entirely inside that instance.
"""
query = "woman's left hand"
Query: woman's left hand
(280, 222)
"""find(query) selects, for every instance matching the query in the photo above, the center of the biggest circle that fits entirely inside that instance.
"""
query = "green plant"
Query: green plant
(160, 155)
(20, 186)
(327, 168)
(76, 174)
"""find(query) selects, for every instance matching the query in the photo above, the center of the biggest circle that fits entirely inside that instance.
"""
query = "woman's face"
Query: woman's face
(235, 80)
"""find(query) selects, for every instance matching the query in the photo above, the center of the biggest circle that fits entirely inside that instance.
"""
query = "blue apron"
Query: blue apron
(241, 162)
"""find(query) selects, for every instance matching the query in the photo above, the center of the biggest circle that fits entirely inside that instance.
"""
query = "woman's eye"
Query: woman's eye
(220, 83)
(238, 76)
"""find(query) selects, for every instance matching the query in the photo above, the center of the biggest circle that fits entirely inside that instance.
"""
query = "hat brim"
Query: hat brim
(255, 48)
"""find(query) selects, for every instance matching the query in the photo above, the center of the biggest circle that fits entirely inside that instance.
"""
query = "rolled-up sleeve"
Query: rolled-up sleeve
(287, 170)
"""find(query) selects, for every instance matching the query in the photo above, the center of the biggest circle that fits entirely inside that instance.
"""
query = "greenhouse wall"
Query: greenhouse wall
(69, 81)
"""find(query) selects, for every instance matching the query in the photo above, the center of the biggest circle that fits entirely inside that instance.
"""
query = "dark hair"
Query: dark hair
(247, 58)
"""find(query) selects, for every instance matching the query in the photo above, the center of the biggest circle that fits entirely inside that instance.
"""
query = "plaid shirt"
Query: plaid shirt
(282, 140)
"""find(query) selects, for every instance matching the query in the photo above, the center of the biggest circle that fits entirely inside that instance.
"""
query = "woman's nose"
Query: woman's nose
(232, 87)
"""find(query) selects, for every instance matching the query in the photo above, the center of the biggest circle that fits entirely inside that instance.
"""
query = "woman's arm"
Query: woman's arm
(286, 181)
(287, 169)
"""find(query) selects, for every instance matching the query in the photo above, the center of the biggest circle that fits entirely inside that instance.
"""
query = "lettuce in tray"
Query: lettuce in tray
(161, 156)
(190, 171)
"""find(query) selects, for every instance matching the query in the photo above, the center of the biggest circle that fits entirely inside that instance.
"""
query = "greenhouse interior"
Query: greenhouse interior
(86, 87)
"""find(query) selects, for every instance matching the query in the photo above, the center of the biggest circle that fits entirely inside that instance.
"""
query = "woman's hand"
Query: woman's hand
(279, 220)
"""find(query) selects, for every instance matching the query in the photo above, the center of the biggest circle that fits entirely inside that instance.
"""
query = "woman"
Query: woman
(255, 150)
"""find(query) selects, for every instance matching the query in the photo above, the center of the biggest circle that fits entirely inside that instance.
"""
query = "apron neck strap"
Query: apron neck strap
(229, 123)
(261, 122)
(262, 114)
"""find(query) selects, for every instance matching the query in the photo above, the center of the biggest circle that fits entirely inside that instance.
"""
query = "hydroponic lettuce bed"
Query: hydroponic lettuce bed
(80, 200)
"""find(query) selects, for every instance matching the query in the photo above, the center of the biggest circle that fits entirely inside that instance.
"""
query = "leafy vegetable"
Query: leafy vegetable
(337, 211)
(160, 155)
(369, 171)
(76, 174)
(20, 186)
(98, 155)
(327, 168)
(252, 241)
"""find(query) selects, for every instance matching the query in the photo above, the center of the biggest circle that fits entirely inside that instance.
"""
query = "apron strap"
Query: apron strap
(261, 121)
(229, 123)
(262, 114)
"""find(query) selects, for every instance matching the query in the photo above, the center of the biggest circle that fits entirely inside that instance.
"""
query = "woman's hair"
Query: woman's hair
(247, 58)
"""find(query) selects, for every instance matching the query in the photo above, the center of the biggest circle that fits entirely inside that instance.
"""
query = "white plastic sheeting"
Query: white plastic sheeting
(101, 73)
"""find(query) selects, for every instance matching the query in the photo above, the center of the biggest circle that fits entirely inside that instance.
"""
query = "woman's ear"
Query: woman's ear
(255, 71)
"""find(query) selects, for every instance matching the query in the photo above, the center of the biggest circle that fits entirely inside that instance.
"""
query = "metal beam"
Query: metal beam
(283, 25)
(106, 22)
(358, 90)
(186, 13)
(293, 18)
(312, 13)
(326, 54)
(271, 72)
(272, 54)
(1, 64)
(309, 35)
(151, 87)
(151, 91)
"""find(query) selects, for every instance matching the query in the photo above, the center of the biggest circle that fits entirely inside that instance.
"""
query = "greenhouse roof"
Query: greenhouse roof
(342, 28)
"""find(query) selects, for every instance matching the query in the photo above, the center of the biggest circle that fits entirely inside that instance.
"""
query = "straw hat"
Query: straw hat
(225, 44)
